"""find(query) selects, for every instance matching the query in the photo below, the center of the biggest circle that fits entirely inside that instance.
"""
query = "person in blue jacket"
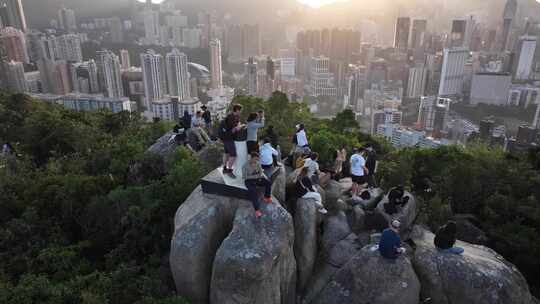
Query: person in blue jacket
(390, 242)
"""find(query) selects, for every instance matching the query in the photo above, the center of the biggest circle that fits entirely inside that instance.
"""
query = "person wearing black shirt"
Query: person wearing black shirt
(445, 239)
(371, 163)
(186, 120)
(207, 117)
(232, 125)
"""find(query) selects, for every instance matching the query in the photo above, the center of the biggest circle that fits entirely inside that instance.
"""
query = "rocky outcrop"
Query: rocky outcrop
(218, 245)
(369, 278)
(479, 276)
(164, 147)
(201, 223)
(306, 220)
(211, 155)
(468, 231)
(406, 215)
(333, 191)
(255, 263)
(280, 185)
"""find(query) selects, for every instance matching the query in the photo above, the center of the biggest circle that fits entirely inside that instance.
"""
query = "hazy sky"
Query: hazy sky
(312, 3)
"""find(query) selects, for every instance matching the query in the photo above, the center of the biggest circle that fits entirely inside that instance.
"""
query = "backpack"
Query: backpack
(300, 162)
(222, 131)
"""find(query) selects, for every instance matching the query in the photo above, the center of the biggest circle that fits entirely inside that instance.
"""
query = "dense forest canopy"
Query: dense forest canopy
(78, 223)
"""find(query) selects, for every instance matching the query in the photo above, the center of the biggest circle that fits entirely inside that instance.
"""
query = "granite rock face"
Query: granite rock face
(306, 220)
(406, 214)
(369, 278)
(217, 237)
(478, 276)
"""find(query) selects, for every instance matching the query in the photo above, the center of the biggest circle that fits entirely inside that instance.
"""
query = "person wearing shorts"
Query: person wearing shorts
(359, 172)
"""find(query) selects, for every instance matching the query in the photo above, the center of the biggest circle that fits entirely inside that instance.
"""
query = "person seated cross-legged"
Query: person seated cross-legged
(255, 177)
(445, 239)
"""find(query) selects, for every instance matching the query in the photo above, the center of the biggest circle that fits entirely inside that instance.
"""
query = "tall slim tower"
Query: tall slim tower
(177, 74)
(112, 75)
(215, 64)
(509, 14)
(153, 77)
(401, 36)
(418, 33)
(251, 73)
(14, 14)
(125, 59)
(453, 71)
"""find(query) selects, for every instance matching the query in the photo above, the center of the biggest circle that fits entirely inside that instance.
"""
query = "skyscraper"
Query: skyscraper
(418, 33)
(117, 30)
(322, 81)
(509, 14)
(251, 74)
(177, 74)
(67, 20)
(525, 51)
(151, 27)
(453, 71)
(216, 80)
(457, 36)
(13, 15)
(125, 59)
(401, 36)
(15, 77)
(112, 75)
(13, 42)
(93, 80)
(416, 85)
(69, 47)
(153, 78)
(357, 85)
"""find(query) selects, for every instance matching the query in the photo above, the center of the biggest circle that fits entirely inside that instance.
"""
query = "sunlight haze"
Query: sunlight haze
(319, 3)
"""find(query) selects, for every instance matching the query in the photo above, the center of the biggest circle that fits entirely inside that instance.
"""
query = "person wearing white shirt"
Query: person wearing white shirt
(300, 139)
(267, 153)
(358, 172)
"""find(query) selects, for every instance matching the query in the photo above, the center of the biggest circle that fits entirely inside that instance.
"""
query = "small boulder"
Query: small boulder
(478, 276)
(333, 192)
(358, 219)
(369, 278)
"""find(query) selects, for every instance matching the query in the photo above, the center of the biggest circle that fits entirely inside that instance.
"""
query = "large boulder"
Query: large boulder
(479, 276)
(358, 219)
(306, 220)
(333, 192)
(335, 228)
(255, 263)
(368, 278)
(406, 215)
(201, 223)
(164, 147)
(211, 155)
(376, 196)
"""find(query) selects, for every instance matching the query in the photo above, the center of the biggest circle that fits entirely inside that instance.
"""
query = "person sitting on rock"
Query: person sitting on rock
(267, 154)
(255, 177)
(197, 128)
(390, 242)
(254, 122)
(179, 135)
(363, 198)
(396, 197)
(305, 189)
(445, 238)
(341, 157)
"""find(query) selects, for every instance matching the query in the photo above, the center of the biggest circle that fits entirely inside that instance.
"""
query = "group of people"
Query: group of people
(198, 125)
(390, 245)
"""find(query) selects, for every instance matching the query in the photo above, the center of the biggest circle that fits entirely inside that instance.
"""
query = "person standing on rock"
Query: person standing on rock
(371, 164)
(207, 117)
(305, 189)
(445, 238)
(390, 242)
(359, 172)
(255, 121)
(197, 125)
(300, 139)
(230, 126)
(255, 177)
